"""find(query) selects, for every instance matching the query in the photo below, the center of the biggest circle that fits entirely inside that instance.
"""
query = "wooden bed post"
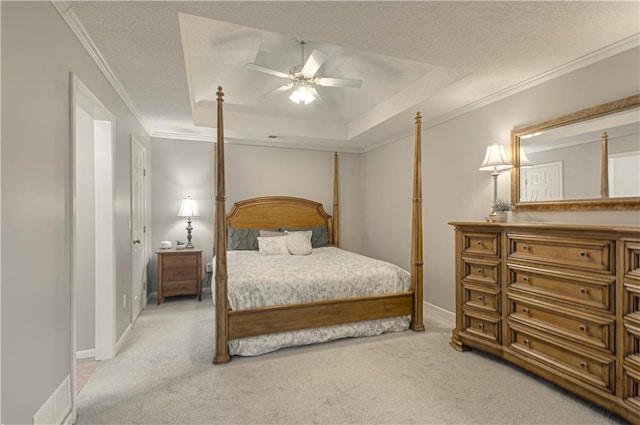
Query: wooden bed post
(416, 231)
(336, 216)
(222, 317)
(604, 169)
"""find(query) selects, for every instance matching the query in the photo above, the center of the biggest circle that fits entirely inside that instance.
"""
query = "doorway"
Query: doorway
(93, 237)
(138, 228)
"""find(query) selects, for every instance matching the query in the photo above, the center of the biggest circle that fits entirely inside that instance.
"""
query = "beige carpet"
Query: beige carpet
(164, 375)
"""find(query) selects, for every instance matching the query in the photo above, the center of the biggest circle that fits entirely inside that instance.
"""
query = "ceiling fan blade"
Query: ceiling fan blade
(339, 82)
(315, 61)
(277, 90)
(267, 70)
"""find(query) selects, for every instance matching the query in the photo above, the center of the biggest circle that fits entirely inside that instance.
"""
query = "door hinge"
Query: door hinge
(144, 229)
(144, 172)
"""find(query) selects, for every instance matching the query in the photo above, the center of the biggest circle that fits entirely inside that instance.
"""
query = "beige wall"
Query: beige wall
(38, 53)
(454, 189)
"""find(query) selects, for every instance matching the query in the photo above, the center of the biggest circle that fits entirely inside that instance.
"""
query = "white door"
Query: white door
(542, 182)
(138, 227)
(624, 174)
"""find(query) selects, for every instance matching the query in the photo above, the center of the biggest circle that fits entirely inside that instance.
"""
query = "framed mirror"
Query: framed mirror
(589, 159)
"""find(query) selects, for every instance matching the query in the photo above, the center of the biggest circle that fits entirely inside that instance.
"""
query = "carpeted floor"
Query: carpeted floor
(164, 375)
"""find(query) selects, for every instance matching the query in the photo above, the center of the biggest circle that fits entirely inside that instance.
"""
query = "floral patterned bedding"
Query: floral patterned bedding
(266, 280)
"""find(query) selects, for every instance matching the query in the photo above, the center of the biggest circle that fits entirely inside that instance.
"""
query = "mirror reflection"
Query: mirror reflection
(565, 162)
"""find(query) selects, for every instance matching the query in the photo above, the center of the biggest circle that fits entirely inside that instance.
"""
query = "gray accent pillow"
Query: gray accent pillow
(242, 239)
(319, 235)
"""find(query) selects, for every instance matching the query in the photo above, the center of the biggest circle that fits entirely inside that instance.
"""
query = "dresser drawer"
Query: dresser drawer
(482, 326)
(632, 302)
(595, 292)
(632, 260)
(181, 260)
(578, 253)
(481, 271)
(486, 244)
(591, 368)
(632, 345)
(482, 297)
(631, 384)
(593, 331)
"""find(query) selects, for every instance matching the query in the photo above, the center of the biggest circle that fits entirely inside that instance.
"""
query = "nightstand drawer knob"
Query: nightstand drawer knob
(583, 253)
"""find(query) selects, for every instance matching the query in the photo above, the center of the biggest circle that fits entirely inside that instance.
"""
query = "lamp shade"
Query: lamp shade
(495, 159)
(302, 94)
(524, 161)
(188, 208)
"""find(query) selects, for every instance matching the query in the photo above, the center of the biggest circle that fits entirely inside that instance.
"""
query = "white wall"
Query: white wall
(454, 189)
(38, 52)
(186, 168)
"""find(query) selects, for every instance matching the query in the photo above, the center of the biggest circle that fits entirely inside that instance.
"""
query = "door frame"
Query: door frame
(105, 335)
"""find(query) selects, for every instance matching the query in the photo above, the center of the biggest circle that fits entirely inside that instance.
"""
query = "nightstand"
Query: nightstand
(179, 272)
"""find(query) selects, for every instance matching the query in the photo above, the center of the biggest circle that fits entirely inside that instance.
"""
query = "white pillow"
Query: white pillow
(307, 233)
(298, 243)
(273, 246)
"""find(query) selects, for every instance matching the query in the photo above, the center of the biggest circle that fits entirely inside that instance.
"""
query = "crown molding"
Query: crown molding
(65, 10)
(576, 64)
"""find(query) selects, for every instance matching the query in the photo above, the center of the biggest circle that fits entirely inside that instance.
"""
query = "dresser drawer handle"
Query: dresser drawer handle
(582, 328)
(583, 365)
(525, 247)
(583, 254)
(479, 270)
(479, 243)
(584, 291)
(525, 341)
(481, 325)
(480, 298)
(525, 278)
(525, 310)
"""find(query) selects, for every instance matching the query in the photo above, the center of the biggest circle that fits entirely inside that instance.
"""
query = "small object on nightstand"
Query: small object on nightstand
(179, 273)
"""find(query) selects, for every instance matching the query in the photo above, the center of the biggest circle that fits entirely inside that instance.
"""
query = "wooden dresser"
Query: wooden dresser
(559, 300)
(179, 272)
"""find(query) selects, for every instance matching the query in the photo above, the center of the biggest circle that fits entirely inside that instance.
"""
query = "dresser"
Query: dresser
(561, 301)
(179, 272)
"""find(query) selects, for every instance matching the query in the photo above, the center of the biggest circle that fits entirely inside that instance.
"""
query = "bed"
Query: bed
(266, 302)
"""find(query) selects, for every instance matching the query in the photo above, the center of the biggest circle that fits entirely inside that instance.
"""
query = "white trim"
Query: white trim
(57, 409)
(122, 339)
(86, 354)
(435, 307)
(66, 11)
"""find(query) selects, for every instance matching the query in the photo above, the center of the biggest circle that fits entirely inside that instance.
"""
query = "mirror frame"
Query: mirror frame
(603, 203)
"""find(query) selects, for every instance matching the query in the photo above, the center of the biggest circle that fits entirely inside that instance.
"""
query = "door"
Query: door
(542, 182)
(138, 227)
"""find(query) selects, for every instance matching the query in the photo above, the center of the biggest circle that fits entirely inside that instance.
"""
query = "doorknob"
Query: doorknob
(137, 241)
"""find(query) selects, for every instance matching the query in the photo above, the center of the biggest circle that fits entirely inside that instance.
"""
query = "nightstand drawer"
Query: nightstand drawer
(591, 368)
(487, 244)
(180, 288)
(179, 273)
(585, 254)
(180, 260)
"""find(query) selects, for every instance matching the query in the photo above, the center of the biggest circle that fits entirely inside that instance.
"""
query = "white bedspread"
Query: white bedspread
(266, 280)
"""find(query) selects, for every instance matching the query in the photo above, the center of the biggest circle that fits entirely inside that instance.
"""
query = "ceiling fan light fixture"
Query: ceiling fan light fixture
(302, 94)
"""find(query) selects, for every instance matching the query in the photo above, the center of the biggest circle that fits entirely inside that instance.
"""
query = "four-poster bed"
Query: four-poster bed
(352, 309)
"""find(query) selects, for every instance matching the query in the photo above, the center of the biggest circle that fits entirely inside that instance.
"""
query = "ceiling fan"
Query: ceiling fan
(303, 78)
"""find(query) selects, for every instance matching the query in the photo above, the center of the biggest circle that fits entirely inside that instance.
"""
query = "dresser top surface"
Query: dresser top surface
(550, 226)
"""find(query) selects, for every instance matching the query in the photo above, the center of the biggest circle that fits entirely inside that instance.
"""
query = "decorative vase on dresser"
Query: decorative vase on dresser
(559, 300)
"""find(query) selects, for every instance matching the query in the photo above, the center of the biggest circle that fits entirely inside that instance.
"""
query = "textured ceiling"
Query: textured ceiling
(436, 57)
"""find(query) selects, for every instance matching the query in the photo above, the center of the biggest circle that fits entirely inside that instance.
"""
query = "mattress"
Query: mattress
(256, 280)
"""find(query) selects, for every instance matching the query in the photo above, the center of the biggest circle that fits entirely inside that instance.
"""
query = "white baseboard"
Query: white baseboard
(122, 339)
(149, 295)
(450, 313)
(57, 408)
(86, 354)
